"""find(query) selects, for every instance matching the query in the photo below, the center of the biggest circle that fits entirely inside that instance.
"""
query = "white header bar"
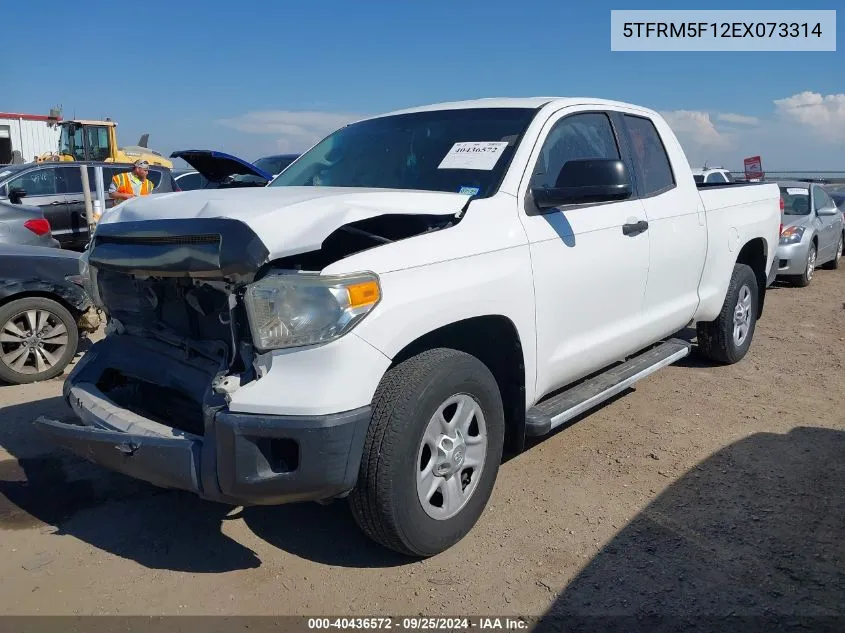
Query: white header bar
(752, 30)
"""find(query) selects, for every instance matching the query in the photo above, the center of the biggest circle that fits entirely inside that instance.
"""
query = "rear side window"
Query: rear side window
(652, 162)
(698, 178)
(716, 177)
(580, 136)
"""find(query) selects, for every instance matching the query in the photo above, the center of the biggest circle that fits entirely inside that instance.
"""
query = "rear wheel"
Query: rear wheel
(432, 453)
(38, 338)
(834, 263)
(728, 337)
(804, 279)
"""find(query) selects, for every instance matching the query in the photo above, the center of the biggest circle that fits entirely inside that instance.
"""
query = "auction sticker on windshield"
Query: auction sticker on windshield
(473, 155)
(794, 191)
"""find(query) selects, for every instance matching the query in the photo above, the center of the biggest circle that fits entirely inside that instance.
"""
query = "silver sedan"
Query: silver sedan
(24, 225)
(812, 234)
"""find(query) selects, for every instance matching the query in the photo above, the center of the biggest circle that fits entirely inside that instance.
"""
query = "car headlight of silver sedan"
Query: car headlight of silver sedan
(791, 234)
(291, 309)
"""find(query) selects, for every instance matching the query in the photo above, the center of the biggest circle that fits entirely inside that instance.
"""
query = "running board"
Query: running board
(549, 414)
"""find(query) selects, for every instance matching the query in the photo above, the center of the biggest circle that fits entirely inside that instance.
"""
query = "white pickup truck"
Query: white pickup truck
(415, 294)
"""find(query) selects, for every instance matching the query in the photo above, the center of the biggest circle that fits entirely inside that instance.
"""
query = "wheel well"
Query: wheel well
(492, 339)
(753, 255)
(46, 295)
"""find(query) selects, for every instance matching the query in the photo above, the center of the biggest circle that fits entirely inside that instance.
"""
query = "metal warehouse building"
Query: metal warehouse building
(29, 134)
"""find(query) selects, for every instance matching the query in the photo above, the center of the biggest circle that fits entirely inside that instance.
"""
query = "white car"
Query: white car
(712, 175)
(415, 293)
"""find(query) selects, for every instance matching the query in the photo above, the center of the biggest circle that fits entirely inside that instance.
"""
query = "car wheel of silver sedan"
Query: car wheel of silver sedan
(809, 268)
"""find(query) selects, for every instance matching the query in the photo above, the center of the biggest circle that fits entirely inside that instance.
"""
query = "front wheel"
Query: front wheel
(432, 453)
(728, 337)
(804, 279)
(38, 338)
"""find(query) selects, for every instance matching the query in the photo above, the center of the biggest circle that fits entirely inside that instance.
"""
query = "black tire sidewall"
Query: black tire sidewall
(744, 277)
(466, 375)
(16, 306)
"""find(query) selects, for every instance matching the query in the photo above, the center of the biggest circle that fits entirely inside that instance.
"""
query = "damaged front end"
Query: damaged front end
(152, 397)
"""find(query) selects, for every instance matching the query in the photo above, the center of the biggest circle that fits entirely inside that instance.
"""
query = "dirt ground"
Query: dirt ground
(706, 490)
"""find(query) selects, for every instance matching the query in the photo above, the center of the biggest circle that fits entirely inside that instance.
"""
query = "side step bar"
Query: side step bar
(551, 413)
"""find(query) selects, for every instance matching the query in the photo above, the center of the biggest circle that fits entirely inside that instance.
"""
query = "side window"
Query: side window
(189, 182)
(652, 162)
(820, 199)
(70, 180)
(588, 135)
(716, 177)
(40, 182)
(97, 138)
(155, 176)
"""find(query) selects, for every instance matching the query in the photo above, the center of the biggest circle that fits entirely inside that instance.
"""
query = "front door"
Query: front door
(589, 276)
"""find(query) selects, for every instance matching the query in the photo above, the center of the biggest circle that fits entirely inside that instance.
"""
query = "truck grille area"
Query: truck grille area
(179, 308)
(159, 403)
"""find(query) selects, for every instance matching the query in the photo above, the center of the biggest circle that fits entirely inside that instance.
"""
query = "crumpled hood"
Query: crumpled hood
(289, 220)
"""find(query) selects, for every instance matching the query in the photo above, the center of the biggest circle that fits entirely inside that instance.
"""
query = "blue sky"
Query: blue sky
(258, 77)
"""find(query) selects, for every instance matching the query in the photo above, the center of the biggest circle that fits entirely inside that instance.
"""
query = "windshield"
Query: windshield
(407, 151)
(699, 179)
(273, 164)
(796, 200)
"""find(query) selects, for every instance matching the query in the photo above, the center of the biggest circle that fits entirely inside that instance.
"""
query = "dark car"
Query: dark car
(837, 194)
(276, 163)
(189, 179)
(44, 311)
(221, 170)
(56, 187)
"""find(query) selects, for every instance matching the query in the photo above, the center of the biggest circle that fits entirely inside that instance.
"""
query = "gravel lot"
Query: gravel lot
(707, 490)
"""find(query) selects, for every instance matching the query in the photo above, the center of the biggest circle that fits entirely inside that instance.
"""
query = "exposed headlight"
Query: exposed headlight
(88, 277)
(791, 235)
(289, 309)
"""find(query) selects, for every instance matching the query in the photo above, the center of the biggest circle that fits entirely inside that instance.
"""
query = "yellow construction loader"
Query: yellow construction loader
(97, 141)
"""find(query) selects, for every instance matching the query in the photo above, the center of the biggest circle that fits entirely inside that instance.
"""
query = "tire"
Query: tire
(387, 502)
(24, 359)
(717, 339)
(803, 280)
(834, 263)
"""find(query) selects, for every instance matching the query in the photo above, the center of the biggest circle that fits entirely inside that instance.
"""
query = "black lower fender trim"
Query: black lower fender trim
(330, 449)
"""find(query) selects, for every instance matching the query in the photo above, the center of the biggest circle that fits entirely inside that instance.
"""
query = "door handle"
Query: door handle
(56, 203)
(634, 228)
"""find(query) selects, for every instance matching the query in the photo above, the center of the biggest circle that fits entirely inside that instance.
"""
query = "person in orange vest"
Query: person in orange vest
(130, 184)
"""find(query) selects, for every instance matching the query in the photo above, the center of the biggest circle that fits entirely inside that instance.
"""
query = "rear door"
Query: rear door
(589, 275)
(71, 179)
(677, 227)
(43, 190)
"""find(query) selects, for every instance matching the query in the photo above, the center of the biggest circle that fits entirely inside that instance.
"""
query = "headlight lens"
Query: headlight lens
(791, 235)
(289, 309)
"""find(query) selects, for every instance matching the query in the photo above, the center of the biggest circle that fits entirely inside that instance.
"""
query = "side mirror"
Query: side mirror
(583, 181)
(16, 195)
(827, 211)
